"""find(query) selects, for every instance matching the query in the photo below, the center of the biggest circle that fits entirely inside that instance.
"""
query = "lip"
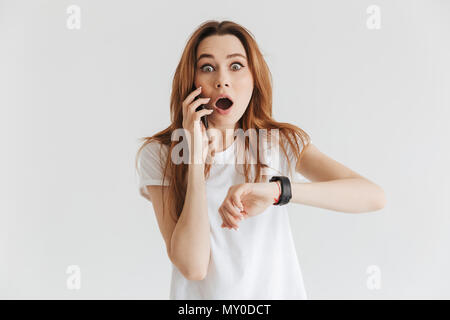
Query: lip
(221, 111)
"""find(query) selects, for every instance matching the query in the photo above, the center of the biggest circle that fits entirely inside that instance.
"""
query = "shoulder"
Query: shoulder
(153, 152)
(279, 162)
(293, 140)
(151, 164)
(154, 147)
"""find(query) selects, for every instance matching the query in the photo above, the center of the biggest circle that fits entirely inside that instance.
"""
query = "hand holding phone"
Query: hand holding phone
(203, 118)
(194, 109)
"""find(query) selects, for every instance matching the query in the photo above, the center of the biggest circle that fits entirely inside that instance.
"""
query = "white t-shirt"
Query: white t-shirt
(258, 261)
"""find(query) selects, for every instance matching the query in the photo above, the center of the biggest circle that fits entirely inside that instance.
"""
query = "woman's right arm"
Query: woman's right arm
(188, 239)
(190, 242)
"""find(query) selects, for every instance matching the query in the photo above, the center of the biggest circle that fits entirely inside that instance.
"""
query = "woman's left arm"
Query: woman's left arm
(333, 186)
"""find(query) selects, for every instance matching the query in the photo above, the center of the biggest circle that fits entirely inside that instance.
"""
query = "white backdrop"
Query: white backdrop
(74, 103)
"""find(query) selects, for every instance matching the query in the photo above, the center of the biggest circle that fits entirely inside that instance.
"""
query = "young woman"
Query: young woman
(225, 223)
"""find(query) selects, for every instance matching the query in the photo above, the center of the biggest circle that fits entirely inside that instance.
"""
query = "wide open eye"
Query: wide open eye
(238, 64)
(206, 65)
(203, 68)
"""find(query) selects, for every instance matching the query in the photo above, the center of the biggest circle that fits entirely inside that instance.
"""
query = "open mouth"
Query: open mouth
(224, 103)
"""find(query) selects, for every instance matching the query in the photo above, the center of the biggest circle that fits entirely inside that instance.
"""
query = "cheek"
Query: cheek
(245, 88)
(200, 80)
(205, 82)
(197, 81)
(245, 82)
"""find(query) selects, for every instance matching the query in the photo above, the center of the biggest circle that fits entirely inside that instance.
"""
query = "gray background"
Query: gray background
(74, 103)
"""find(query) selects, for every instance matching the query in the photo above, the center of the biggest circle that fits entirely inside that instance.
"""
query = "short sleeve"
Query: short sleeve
(291, 171)
(278, 164)
(151, 162)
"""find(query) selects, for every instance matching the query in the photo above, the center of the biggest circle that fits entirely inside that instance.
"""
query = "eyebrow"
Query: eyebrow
(207, 55)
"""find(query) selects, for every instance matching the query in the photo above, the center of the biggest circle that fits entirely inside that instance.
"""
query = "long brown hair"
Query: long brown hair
(258, 114)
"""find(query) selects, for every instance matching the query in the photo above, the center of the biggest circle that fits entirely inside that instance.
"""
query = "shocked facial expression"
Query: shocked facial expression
(223, 72)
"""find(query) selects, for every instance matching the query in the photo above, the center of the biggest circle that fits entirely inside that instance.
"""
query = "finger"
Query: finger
(188, 100)
(201, 113)
(225, 218)
(235, 198)
(233, 220)
(224, 222)
(242, 213)
(191, 108)
(235, 212)
(236, 201)
(231, 224)
(225, 225)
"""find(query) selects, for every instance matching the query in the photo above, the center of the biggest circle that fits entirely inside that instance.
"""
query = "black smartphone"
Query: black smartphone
(203, 118)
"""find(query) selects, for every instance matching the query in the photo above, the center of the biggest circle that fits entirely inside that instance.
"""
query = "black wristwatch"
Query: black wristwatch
(286, 193)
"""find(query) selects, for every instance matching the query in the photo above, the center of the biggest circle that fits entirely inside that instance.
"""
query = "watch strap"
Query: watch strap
(286, 191)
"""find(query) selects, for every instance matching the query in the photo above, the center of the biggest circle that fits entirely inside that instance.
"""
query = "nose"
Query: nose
(222, 82)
